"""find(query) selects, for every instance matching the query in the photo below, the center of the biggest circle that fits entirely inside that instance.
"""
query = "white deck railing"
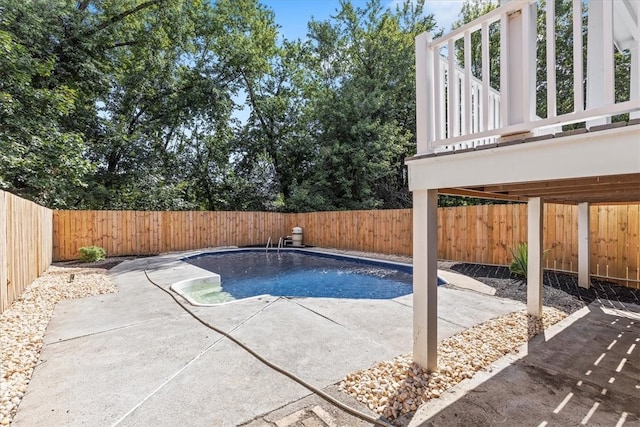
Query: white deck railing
(460, 110)
(467, 102)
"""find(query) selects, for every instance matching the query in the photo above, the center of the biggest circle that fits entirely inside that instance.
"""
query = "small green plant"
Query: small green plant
(92, 253)
(520, 255)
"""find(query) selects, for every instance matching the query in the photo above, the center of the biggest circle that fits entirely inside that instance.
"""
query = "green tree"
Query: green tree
(162, 89)
(39, 158)
(124, 88)
(363, 97)
(276, 130)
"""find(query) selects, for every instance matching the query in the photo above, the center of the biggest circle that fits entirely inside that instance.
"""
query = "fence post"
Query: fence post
(4, 259)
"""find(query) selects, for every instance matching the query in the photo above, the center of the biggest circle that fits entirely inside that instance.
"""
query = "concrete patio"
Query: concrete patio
(584, 370)
(135, 358)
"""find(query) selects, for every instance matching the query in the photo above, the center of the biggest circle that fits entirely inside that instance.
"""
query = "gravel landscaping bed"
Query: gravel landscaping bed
(399, 386)
(22, 326)
(396, 388)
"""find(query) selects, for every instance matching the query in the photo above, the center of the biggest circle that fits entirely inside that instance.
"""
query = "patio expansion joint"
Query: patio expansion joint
(442, 319)
(190, 362)
(401, 303)
(116, 328)
(262, 417)
(294, 301)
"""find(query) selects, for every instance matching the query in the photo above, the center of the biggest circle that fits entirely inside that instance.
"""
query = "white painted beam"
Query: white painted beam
(535, 254)
(607, 152)
(583, 246)
(425, 279)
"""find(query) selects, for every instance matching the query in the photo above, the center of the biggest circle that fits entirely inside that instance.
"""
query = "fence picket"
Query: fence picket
(26, 245)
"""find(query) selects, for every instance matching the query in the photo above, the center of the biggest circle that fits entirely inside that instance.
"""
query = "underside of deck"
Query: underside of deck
(598, 166)
(583, 167)
(480, 137)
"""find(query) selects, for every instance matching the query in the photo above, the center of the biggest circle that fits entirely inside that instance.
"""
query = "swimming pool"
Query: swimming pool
(247, 273)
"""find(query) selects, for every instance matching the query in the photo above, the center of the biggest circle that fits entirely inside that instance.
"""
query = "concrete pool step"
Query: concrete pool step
(461, 281)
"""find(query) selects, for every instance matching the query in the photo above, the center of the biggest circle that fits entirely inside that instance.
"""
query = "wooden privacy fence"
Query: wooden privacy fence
(146, 232)
(382, 231)
(25, 245)
(485, 234)
(31, 236)
(482, 234)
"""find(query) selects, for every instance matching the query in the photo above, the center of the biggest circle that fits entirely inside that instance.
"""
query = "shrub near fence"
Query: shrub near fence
(482, 234)
(25, 245)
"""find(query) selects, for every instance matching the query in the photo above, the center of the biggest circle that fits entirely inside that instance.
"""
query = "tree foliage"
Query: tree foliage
(363, 101)
(192, 104)
(40, 158)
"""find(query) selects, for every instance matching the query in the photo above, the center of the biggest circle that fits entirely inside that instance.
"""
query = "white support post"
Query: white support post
(466, 89)
(528, 48)
(486, 82)
(425, 278)
(453, 119)
(424, 94)
(518, 41)
(535, 254)
(578, 75)
(552, 102)
(505, 75)
(583, 246)
(635, 77)
(600, 65)
(438, 103)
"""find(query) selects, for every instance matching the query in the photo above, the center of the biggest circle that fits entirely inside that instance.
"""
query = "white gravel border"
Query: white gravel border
(22, 326)
(396, 387)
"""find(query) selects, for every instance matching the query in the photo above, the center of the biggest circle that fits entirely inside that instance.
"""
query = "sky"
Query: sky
(293, 15)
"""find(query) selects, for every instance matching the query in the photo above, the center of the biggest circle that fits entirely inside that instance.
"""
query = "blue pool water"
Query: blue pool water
(249, 273)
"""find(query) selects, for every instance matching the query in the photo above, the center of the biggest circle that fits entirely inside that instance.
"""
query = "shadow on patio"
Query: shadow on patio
(586, 373)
